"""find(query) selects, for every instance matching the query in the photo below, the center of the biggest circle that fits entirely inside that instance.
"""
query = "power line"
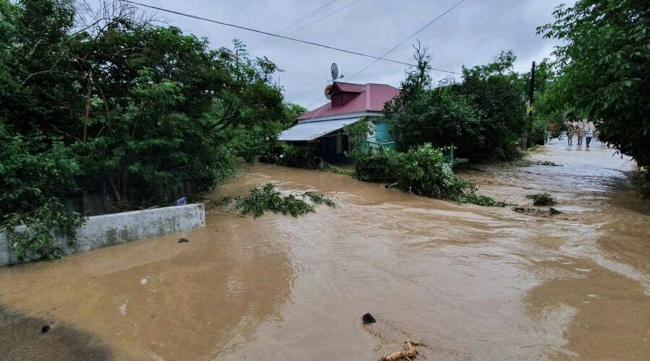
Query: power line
(402, 43)
(267, 33)
(316, 21)
(263, 42)
(409, 37)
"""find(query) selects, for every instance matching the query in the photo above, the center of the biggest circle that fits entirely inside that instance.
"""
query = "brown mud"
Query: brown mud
(468, 282)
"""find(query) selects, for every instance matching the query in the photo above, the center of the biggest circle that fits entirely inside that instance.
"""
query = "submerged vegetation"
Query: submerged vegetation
(541, 199)
(422, 170)
(268, 198)
(289, 156)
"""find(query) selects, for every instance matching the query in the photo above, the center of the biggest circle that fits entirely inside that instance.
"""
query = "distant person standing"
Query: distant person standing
(580, 130)
(589, 133)
(569, 132)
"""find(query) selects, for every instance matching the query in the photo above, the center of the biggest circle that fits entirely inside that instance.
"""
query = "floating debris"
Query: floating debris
(183, 240)
(546, 162)
(409, 351)
(537, 212)
(367, 319)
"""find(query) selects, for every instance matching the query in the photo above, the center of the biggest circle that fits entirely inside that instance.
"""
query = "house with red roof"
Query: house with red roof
(321, 130)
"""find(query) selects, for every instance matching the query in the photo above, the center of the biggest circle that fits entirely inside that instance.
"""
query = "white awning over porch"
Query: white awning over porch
(312, 130)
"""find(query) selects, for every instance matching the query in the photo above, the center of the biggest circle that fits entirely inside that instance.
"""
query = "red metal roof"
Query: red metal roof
(349, 87)
(369, 97)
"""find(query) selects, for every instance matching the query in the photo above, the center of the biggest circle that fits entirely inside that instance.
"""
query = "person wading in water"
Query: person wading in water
(589, 132)
(569, 132)
(580, 130)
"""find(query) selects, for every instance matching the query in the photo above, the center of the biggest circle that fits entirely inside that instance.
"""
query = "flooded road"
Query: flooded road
(469, 282)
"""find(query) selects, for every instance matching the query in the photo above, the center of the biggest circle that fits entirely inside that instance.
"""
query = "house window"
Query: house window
(339, 143)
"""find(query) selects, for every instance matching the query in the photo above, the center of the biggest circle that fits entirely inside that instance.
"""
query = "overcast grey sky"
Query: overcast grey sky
(471, 34)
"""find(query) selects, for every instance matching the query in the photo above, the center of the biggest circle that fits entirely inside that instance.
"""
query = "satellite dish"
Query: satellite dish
(335, 71)
(328, 91)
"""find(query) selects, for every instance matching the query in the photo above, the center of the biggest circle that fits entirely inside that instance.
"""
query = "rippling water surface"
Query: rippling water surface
(471, 283)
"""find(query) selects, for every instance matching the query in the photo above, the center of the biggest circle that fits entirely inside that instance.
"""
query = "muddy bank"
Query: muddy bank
(469, 282)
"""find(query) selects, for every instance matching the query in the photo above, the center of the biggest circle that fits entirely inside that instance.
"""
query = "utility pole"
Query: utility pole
(529, 108)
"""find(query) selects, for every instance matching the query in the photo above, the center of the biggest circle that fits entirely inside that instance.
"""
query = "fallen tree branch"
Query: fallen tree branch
(409, 351)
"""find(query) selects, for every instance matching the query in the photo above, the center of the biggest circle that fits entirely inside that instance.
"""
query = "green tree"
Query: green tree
(604, 66)
(36, 174)
(112, 104)
(483, 116)
(495, 90)
(147, 109)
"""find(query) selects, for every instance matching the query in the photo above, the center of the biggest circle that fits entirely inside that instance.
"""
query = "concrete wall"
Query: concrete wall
(110, 229)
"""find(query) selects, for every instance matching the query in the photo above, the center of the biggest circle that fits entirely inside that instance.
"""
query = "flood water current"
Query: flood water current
(468, 282)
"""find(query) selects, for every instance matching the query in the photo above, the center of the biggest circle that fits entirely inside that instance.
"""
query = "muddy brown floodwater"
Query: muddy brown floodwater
(469, 282)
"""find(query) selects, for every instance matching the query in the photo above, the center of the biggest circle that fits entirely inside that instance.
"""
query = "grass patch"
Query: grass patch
(268, 198)
(541, 199)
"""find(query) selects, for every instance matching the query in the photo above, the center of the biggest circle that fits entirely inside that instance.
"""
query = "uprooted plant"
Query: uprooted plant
(541, 199)
(268, 198)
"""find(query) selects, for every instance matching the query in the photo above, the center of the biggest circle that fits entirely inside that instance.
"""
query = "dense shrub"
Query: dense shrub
(537, 136)
(376, 165)
(289, 156)
(425, 172)
(36, 175)
(301, 158)
(422, 170)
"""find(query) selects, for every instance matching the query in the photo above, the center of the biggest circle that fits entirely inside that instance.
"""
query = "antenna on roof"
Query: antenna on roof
(334, 69)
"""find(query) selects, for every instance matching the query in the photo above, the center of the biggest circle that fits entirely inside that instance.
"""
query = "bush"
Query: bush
(376, 165)
(301, 158)
(425, 172)
(541, 199)
(537, 136)
(36, 175)
(290, 156)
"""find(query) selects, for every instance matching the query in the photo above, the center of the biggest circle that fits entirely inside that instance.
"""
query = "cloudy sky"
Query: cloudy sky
(472, 33)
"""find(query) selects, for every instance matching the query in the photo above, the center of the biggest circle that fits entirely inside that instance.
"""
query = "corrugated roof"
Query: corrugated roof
(312, 130)
(371, 98)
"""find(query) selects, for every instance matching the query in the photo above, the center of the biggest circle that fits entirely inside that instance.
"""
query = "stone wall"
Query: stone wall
(111, 229)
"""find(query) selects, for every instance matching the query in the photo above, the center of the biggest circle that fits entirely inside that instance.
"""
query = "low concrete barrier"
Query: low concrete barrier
(116, 228)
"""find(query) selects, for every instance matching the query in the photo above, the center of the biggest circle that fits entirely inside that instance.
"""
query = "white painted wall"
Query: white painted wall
(117, 228)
